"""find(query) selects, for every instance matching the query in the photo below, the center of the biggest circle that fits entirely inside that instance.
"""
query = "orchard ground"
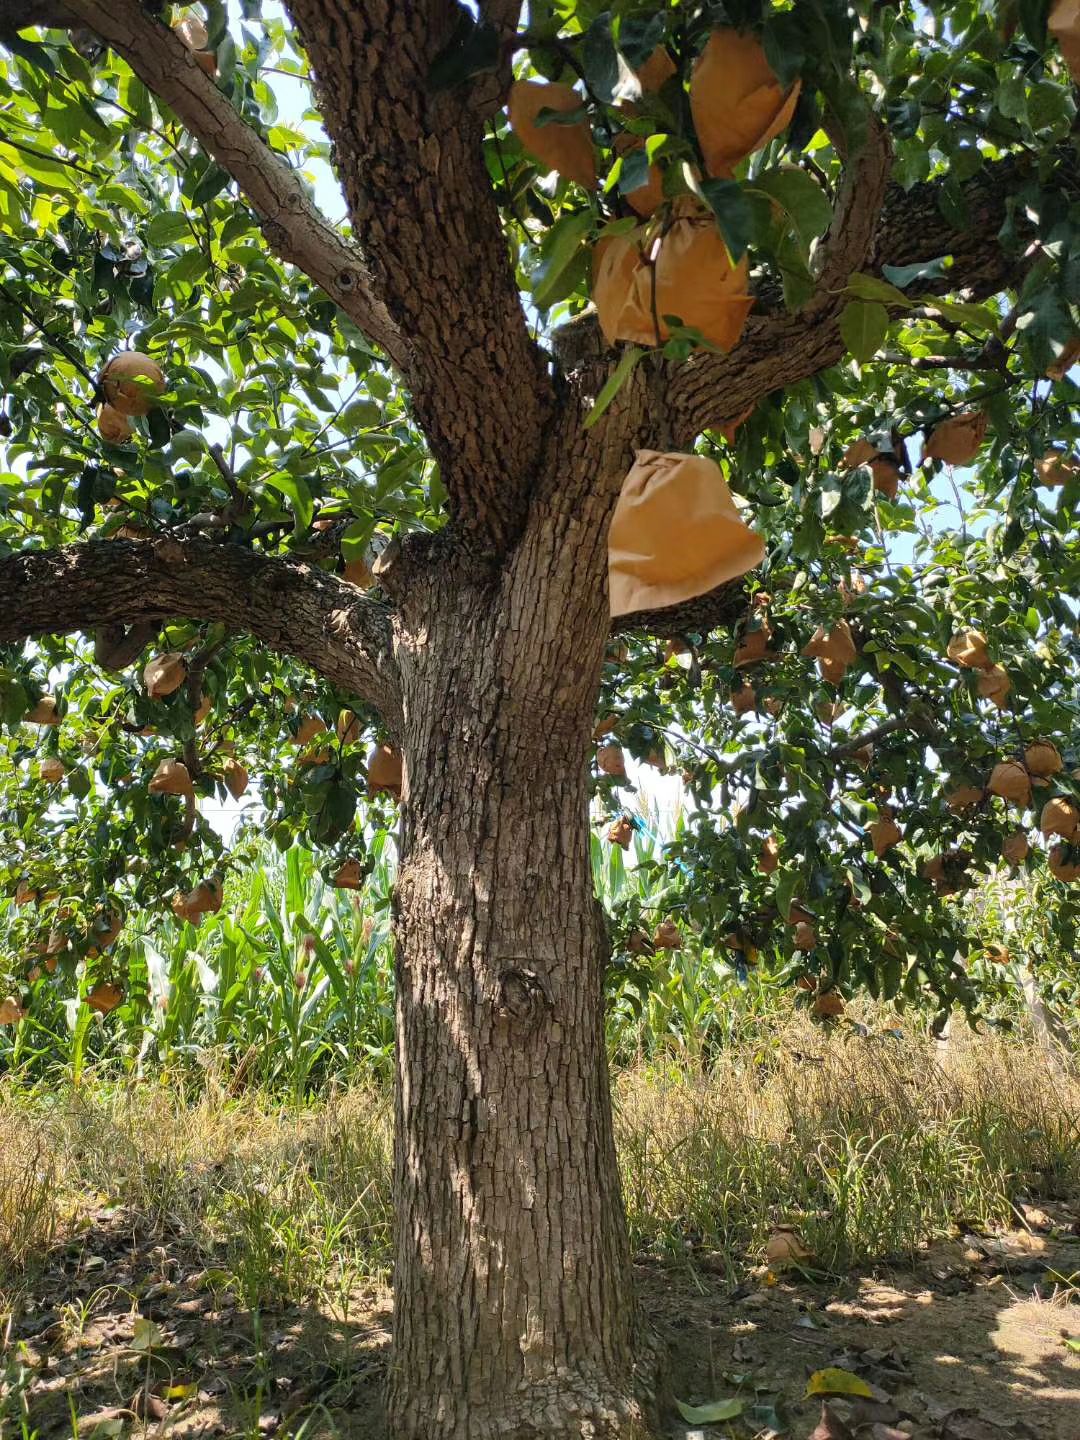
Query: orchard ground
(199, 1259)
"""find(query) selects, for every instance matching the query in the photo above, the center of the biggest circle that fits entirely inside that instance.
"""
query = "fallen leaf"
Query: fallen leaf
(830, 1427)
(146, 1336)
(834, 1381)
(707, 1414)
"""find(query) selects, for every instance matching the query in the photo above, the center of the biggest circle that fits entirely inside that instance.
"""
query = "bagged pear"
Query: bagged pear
(1070, 354)
(1060, 817)
(104, 997)
(1043, 758)
(884, 834)
(744, 699)
(113, 425)
(565, 148)
(384, 773)
(235, 776)
(836, 644)
(963, 798)
(737, 103)
(1057, 467)
(45, 712)
(656, 71)
(675, 533)
(1064, 863)
(164, 674)
(666, 936)
(754, 645)
(121, 379)
(348, 876)
(171, 778)
(1011, 781)
(968, 648)
(610, 760)
(681, 268)
(994, 685)
(805, 936)
(957, 441)
(828, 1005)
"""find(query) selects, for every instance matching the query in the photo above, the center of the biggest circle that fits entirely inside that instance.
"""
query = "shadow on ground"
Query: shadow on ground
(124, 1335)
(969, 1343)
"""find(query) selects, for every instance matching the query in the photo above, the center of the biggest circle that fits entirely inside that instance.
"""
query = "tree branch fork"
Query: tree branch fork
(494, 490)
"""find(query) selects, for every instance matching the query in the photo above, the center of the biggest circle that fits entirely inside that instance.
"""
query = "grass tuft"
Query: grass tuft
(872, 1146)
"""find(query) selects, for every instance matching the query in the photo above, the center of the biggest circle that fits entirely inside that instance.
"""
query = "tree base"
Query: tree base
(563, 1406)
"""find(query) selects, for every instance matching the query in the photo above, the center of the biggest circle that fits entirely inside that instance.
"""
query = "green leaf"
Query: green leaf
(558, 249)
(870, 287)
(863, 326)
(355, 539)
(973, 317)
(800, 196)
(633, 170)
(190, 267)
(157, 422)
(135, 96)
(784, 41)
(734, 213)
(639, 35)
(904, 275)
(831, 495)
(296, 490)
(710, 1413)
(1012, 95)
(168, 226)
(834, 1381)
(1033, 17)
(212, 184)
(614, 383)
(601, 59)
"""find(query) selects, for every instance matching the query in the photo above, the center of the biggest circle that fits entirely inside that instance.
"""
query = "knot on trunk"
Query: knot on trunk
(523, 995)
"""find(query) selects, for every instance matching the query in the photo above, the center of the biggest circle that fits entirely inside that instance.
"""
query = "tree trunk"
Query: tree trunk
(514, 1314)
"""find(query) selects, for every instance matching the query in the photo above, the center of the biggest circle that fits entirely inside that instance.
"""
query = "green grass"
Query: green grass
(871, 1146)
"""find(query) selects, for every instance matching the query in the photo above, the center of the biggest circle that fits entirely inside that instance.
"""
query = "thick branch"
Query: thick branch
(412, 164)
(290, 607)
(779, 349)
(722, 606)
(294, 228)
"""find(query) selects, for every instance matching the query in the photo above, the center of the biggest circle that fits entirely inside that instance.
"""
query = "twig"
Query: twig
(939, 362)
(44, 155)
(869, 737)
(54, 341)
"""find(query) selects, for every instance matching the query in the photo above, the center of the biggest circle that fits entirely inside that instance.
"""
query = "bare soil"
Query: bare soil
(131, 1337)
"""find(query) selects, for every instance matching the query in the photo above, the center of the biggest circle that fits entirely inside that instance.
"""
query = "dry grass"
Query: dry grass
(873, 1146)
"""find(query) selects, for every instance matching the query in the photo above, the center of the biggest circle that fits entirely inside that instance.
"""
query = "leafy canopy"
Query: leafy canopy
(283, 429)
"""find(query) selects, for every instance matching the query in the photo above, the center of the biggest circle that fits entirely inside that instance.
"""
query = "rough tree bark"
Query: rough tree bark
(514, 1314)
